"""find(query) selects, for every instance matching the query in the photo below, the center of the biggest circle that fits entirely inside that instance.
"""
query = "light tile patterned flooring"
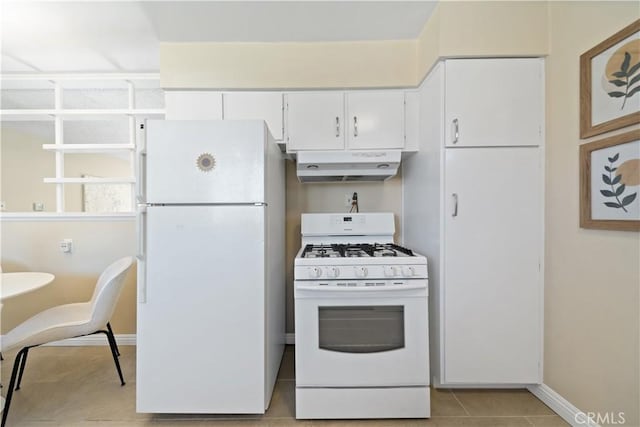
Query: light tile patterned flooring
(78, 386)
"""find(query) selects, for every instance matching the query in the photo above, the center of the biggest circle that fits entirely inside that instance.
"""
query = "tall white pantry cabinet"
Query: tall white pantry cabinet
(473, 204)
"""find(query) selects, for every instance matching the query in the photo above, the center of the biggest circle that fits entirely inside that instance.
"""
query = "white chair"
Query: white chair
(68, 321)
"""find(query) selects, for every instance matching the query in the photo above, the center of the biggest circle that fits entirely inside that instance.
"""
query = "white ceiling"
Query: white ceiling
(74, 36)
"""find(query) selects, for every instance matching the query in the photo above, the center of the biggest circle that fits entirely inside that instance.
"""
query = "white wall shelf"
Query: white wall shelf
(88, 148)
(77, 114)
(122, 180)
(65, 216)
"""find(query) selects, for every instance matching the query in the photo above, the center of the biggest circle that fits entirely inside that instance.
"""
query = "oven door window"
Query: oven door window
(361, 329)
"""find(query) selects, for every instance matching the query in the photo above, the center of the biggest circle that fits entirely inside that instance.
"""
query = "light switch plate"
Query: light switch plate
(38, 206)
(66, 245)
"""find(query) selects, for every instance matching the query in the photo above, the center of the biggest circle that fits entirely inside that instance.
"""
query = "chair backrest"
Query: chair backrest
(107, 291)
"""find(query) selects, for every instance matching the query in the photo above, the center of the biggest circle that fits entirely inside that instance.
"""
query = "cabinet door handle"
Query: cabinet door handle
(355, 126)
(456, 131)
(337, 126)
(455, 205)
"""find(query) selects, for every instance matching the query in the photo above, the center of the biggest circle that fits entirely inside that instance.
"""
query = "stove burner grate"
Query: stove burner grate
(351, 250)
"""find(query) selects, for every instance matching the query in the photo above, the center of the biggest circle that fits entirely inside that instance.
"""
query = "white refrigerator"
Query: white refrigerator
(210, 312)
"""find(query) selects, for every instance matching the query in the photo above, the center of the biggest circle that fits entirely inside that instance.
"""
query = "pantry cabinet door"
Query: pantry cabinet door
(315, 121)
(193, 105)
(375, 120)
(492, 303)
(265, 106)
(494, 102)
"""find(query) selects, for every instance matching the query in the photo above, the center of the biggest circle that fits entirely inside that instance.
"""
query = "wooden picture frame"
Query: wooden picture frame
(611, 206)
(600, 99)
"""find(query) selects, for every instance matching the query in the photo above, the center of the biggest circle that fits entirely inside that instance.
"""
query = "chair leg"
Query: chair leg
(14, 373)
(24, 362)
(111, 332)
(112, 345)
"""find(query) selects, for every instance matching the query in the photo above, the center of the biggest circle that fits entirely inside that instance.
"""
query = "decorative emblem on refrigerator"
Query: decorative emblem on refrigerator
(206, 162)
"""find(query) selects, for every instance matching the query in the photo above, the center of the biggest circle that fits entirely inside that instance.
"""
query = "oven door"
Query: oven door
(360, 337)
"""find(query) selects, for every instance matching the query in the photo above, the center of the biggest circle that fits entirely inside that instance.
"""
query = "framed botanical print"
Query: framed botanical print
(610, 83)
(610, 183)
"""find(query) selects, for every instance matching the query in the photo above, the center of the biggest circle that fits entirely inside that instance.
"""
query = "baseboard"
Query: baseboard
(561, 406)
(98, 339)
(290, 338)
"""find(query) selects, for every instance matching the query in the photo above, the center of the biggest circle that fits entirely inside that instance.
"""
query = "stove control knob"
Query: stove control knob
(390, 271)
(333, 272)
(315, 272)
(408, 271)
(361, 271)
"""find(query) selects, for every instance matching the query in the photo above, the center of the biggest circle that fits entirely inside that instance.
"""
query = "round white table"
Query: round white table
(14, 284)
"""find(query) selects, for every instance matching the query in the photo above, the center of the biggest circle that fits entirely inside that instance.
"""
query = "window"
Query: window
(361, 329)
(68, 142)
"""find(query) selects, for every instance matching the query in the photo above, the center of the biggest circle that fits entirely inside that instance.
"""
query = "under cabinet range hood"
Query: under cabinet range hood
(347, 166)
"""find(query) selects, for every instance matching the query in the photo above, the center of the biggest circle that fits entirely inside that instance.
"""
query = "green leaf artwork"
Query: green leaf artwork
(625, 79)
(612, 181)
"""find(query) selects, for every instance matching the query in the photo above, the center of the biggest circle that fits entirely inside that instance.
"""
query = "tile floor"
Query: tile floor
(78, 386)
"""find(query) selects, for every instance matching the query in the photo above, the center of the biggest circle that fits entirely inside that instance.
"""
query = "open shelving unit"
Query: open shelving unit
(82, 97)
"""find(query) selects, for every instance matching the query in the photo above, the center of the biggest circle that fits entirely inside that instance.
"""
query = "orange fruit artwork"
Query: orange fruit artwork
(630, 171)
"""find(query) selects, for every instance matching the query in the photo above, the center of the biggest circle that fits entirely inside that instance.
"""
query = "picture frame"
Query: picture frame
(610, 83)
(610, 183)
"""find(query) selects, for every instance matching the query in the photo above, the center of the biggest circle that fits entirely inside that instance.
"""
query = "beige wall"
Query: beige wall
(97, 165)
(592, 310)
(24, 164)
(494, 28)
(287, 65)
(33, 246)
(482, 28)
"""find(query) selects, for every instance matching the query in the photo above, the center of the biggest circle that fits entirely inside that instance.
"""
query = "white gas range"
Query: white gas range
(362, 343)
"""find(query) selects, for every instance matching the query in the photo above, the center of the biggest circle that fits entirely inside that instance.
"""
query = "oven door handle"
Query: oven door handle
(360, 288)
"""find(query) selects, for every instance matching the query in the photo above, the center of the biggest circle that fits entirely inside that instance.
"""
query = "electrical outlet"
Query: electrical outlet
(38, 206)
(66, 245)
(347, 200)
(3, 205)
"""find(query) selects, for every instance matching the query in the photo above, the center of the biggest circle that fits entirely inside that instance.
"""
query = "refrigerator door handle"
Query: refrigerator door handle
(142, 282)
(140, 169)
(141, 227)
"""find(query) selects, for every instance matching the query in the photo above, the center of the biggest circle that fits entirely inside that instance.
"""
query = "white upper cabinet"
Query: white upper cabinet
(256, 105)
(375, 120)
(358, 120)
(315, 121)
(193, 105)
(494, 102)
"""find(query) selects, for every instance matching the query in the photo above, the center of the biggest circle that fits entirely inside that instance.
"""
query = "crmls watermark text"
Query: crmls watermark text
(610, 418)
